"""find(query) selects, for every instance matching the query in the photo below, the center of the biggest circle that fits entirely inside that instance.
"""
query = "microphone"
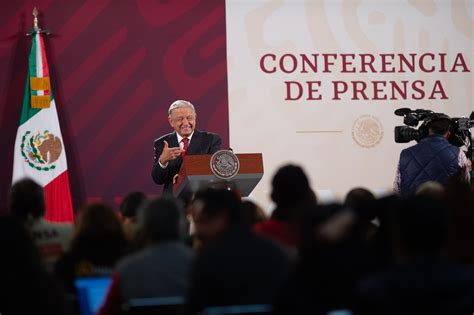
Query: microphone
(402, 111)
(423, 111)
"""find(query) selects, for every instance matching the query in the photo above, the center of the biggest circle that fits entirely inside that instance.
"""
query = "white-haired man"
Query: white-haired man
(185, 140)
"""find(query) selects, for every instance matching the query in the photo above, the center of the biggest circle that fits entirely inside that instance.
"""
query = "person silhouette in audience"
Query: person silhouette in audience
(25, 286)
(383, 247)
(26, 201)
(128, 209)
(252, 213)
(362, 201)
(234, 266)
(98, 242)
(423, 281)
(162, 268)
(460, 199)
(333, 256)
(292, 194)
(431, 189)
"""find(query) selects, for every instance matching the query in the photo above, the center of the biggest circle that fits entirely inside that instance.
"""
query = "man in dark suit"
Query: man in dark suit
(185, 140)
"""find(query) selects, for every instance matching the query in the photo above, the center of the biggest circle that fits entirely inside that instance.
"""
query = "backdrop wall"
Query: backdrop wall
(116, 66)
(316, 82)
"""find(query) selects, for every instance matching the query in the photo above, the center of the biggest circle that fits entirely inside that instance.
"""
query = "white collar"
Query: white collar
(181, 138)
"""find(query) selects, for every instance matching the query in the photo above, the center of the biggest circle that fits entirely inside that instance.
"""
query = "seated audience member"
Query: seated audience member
(460, 200)
(362, 202)
(98, 242)
(162, 268)
(128, 209)
(383, 246)
(291, 193)
(423, 282)
(234, 266)
(333, 257)
(25, 286)
(431, 189)
(252, 213)
(27, 203)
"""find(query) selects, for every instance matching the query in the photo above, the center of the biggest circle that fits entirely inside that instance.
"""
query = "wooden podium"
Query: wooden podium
(195, 173)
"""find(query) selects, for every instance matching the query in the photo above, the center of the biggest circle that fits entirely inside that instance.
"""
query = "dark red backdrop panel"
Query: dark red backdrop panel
(116, 66)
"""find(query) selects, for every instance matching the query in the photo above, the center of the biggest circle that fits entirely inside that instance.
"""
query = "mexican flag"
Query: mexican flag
(39, 148)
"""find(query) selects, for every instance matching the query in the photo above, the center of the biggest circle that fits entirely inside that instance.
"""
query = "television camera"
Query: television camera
(460, 130)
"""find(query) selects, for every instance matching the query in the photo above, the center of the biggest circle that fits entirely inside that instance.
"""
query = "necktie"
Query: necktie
(185, 146)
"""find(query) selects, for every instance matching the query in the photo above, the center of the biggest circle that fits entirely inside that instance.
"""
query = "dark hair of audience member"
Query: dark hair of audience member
(331, 262)
(362, 201)
(385, 249)
(313, 219)
(431, 189)
(422, 226)
(291, 193)
(460, 200)
(99, 234)
(252, 213)
(159, 220)
(27, 199)
(130, 204)
(26, 287)
(218, 201)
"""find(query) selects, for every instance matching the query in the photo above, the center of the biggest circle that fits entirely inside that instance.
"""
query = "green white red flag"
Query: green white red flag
(39, 148)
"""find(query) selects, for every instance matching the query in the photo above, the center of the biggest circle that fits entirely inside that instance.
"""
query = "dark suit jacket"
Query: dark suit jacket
(201, 143)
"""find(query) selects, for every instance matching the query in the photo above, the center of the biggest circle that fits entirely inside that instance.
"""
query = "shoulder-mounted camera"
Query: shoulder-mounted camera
(459, 127)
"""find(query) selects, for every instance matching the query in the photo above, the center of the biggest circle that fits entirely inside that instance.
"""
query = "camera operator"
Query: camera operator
(432, 159)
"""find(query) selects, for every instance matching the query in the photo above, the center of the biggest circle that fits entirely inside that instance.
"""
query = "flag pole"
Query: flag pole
(39, 127)
(36, 29)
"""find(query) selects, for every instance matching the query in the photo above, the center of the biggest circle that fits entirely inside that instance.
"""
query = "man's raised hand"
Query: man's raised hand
(169, 154)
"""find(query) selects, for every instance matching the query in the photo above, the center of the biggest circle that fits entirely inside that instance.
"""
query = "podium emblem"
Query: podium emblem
(225, 164)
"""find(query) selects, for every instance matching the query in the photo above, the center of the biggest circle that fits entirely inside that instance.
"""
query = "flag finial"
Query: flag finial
(35, 20)
(36, 28)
